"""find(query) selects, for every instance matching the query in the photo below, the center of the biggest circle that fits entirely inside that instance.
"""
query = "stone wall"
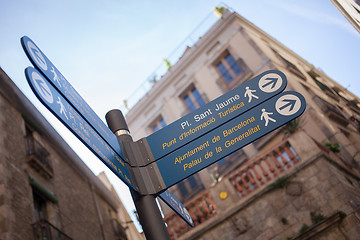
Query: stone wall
(319, 199)
(84, 203)
(17, 197)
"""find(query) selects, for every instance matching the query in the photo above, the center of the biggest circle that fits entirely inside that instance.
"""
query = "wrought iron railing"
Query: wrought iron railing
(44, 230)
(38, 155)
(118, 229)
(201, 209)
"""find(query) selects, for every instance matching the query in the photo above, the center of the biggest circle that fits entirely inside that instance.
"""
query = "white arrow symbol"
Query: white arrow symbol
(288, 104)
(42, 87)
(37, 56)
(270, 82)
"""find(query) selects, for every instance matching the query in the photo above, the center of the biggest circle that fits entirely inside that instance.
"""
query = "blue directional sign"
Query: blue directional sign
(177, 206)
(65, 112)
(72, 110)
(217, 112)
(186, 146)
(58, 81)
(231, 136)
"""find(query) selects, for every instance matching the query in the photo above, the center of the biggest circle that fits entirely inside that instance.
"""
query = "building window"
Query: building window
(192, 181)
(37, 155)
(221, 162)
(232, 71)
(193, 99)
(182, 188)
(228, 68)
(158, 124)
(189, 187)
(39, 207)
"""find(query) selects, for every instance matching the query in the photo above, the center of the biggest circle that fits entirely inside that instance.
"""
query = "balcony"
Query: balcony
(255, 175)
(43, 230)
(118, 229)
(331, 111)
(38, 157)
(201, 209)
(264, 169)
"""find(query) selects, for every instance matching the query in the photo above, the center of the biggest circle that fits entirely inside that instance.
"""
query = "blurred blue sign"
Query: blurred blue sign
(57, 94)
(186, 146)
(177, 206)
(58, 81)
(217, 112)
(69, 116)
(231, 136)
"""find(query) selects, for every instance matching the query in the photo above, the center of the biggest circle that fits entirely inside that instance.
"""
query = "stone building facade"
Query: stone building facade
(351, 11)
(298, 182)
(46, 191)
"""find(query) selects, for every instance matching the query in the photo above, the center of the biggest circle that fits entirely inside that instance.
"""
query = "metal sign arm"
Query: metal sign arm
(148, 211)
(147, 179)
(139, 151)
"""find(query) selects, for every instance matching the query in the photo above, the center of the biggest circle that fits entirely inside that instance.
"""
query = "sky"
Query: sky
(107, 49)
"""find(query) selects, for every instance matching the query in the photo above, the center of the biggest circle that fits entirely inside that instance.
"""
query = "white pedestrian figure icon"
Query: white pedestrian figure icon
(250, 94)
(265, 116)
(62, 108)
(56, 77)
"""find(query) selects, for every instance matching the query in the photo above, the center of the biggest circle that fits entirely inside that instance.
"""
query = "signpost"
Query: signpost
(73, 111)
(175, 152)
(65, 112)
(58, 81)
(61, 108)
(231, 136)
(217, 112)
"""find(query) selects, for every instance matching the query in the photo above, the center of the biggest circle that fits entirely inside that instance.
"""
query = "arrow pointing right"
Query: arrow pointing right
(37, 55)
(272, 81)
(290, 102)
(43, 89)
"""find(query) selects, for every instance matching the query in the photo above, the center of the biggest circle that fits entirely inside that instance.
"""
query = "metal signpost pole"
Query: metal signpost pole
(146, 206)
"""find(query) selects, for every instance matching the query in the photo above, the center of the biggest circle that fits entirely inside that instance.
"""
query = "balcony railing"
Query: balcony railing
(38, 156)
(253, 175)
(264, 169)
(201, 209)
(43, 230)
(118, 229)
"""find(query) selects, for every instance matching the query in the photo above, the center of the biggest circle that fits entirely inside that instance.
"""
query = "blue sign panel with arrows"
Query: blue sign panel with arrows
(57, 94)
(58, 81)
(217, 112)
(231, 136)
(186, 146)
(69, 116)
